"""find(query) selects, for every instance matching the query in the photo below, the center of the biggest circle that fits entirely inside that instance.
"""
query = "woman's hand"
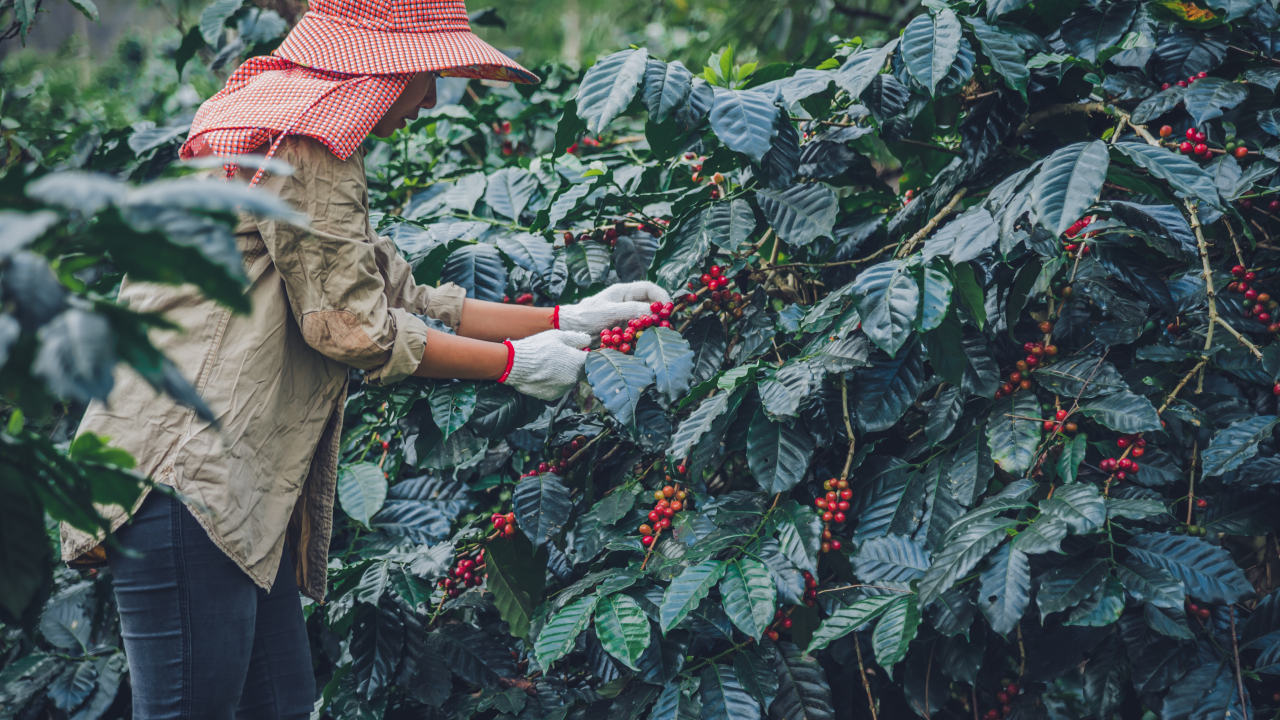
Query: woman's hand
(546, 365)
(611, 308)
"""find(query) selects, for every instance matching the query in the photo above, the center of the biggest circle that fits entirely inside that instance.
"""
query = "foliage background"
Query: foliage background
(875, 339)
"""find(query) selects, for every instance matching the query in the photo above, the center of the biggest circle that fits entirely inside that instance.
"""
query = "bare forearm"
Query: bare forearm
(496, 322)
(463, 358)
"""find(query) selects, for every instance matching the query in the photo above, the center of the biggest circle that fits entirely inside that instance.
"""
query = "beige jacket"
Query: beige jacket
(325, 298)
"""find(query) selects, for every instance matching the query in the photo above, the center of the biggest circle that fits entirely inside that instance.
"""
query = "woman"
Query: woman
(208, 590)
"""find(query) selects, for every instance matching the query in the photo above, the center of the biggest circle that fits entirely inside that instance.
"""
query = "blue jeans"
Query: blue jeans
(203, 640)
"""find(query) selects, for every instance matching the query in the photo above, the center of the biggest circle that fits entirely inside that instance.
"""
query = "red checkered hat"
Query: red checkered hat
(381, 37)
(338, 71)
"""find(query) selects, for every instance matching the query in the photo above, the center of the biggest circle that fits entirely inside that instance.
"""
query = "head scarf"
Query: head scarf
(270, 97)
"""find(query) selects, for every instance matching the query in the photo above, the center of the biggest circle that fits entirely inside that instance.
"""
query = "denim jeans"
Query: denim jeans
(203, 640)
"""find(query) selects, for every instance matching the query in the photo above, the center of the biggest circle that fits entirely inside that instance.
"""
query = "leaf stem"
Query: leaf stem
(848, 427)
(906, 248)
(866, 684)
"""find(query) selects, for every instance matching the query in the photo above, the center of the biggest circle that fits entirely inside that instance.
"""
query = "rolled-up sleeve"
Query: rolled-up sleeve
(331, 270)
(443, 303)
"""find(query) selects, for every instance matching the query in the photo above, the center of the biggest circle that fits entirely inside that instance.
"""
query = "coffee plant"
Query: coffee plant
(965, 405)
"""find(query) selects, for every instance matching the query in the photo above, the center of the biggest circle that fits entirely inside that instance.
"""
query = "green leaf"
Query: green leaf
(541, 504)
(687, 590)
(671, 359)
(1080, 506)
(623, 628)
(1208, 572)
(1044, 535)
(529, 252)
(930, 45)
(1208, 97)
(1236, 443)
(860, 68)
(556, 637)
(1073, 453)
(362, 489)
(1183, 173)
(935, 296)
(1134, 508)
(509, 191)
(698, 423)
(1081, 376)
(692, 243)
(1011, 437)
(777, 452)
(848, 618)
(800, 213)
(1068, 184)
(803, 690)
(1005, 589)
(743, 120)
(1089, 32)
(478, 268)
(1101, 608)
(963, 547)
(1006, 56)
(1158, 104)
(890, 299)
(749, 595)
(789, 387)
(1123, 412)
(666, 87)
(514, 577)
(214, 16)
(971, 293)
(896, 630)
(588, 263)
(618, 381)
(608, 87)
(885, 390)
(724, 697)
(1152, 585)
(757, 674)
(1067, 585)
(452, 403)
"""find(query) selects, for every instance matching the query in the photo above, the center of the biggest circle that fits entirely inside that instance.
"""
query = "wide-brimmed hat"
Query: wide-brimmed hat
(384, 37)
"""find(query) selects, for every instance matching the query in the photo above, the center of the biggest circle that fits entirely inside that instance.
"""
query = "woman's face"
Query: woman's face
(419, 93)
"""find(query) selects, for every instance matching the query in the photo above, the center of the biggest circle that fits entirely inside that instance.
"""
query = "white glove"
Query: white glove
(611, 308)
(548, 364)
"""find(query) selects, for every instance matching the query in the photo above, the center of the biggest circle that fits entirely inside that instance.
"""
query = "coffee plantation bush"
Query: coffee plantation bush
(980, 424)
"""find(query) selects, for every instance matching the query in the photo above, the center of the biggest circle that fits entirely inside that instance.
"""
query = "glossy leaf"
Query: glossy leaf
(670, 358)
(542, 505)
(623, 628)
(1207, 571)
(1068, 184)
(687, 590)
(618, 381)
(1013, 438)
(744, 120)
(890, 300)
(1236, 443)
(1005, 589)
(800, 213)
(895, 630)
(724, 697)
(555, 640)
(749, 595)
(930, 45)
(608, 87)
(777, 452)
(478, 268)
(362, 489)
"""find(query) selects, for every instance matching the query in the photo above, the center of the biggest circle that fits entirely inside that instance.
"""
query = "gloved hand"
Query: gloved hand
(611, 308)
(546, 365)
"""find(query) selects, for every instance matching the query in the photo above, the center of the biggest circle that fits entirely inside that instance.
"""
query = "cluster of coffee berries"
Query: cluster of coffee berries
(670, 500)
(504, 523)
(833, 506)
(624, 339)
(1263, 306)
(554, 466)
(1005, 696)
(1038, 353)
(1060, 423)
(521, 299)
(780, 622)
(720, 297)
(1187, 82)
(467, 572)
(810, 589)
(1123, 467)
(586, 141)
(1195, 610)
